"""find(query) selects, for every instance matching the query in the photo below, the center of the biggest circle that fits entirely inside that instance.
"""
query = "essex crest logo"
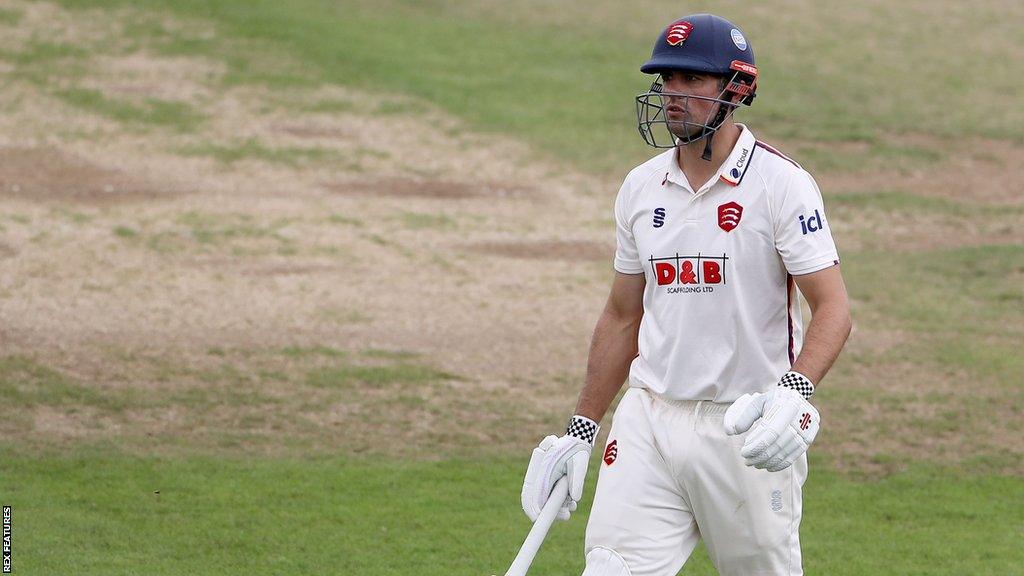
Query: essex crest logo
(729, 215)
(611, 452)
(678, 32)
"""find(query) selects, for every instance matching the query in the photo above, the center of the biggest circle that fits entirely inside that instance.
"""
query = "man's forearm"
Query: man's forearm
(826, 334)
(612, 349)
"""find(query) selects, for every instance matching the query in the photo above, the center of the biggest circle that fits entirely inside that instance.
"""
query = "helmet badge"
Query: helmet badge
(678, 32)
(738, 39)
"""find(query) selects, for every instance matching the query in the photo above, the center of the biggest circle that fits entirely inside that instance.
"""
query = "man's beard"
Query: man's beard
(684, 131)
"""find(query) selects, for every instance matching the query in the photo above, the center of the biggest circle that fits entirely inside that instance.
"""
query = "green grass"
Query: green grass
(953, 376)
(42, 53)
(72, 216)
(331, 106)
(206, 228)
(875, 153)
(151, 111)
(828, 74)
(963, 307)
(346, 220)
(313, 351)
(347, 376)
(10, 16)
(969, 292)
(152, 30)
(390, 354)
(900, 203)
(200, 231)
(208, 403)
(46, 63)
(253, 149)
(125, 232)
(563, 83)
(26, 383)
(101, 512)
(420, 221)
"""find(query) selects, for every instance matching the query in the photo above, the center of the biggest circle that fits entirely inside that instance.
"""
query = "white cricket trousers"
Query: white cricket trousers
(671, 476)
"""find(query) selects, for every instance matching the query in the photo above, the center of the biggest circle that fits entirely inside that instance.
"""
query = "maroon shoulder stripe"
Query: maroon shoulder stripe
(777, 153)
(789, 316)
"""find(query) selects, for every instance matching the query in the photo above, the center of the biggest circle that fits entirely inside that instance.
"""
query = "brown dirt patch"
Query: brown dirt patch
(895, 409)
(140, 75)
(264, 268)
(315, 132)
(6, 251)
(874, 229)
(973, 170)
(427, 188)
(50, 174)
(570, 250)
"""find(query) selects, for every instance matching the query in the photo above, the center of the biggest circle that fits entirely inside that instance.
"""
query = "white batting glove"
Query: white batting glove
(557, 457)
(782, 423)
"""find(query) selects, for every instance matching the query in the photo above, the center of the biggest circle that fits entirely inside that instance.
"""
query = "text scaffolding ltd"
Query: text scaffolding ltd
(7, 540)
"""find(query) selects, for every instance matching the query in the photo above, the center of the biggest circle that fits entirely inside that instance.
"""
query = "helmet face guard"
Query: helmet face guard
(658, 131)
(704, 44)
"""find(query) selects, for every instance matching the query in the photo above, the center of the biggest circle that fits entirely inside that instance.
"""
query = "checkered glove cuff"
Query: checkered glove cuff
(798, 382)
(583, 428)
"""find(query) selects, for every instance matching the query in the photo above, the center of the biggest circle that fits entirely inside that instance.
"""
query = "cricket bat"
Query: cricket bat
(540, 529)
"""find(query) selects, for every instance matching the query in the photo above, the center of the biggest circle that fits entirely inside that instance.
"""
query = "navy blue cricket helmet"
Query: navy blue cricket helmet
(702, 43)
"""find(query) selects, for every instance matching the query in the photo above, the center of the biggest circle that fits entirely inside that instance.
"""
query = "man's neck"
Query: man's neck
(696, 169)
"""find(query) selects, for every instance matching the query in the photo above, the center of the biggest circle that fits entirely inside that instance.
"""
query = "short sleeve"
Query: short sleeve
(803, 237)
(627, 257)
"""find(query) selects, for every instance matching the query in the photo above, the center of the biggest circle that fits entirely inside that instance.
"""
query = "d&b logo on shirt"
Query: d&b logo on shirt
(689, 274)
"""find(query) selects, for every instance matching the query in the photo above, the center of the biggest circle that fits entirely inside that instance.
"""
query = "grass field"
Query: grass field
(109, 514)
(295, 286)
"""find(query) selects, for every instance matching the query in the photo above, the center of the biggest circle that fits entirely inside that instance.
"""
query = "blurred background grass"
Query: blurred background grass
(562, 76)
(925, 478)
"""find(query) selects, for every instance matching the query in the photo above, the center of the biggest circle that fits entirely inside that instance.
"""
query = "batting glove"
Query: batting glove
(782, 423)
(557, 457)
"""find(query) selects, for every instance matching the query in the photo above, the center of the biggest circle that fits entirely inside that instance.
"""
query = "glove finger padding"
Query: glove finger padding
(757, 442)
(760, 444)
(565, 511)
(576, 470)
(533, 471)
(743, 413)
(786, 430)
(552, 459)
(773, 455)
(803, 431)
(787, 454)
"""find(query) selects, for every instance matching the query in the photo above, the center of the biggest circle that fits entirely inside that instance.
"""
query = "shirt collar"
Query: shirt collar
(732, 169)
(735, 166)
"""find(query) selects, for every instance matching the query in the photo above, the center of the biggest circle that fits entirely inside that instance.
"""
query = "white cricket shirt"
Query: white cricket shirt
(721, 310)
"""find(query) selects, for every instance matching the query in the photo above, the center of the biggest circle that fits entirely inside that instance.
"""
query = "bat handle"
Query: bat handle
(540, 529)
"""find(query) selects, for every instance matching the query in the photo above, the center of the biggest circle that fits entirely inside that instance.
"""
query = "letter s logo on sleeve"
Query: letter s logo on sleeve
(659, 217)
